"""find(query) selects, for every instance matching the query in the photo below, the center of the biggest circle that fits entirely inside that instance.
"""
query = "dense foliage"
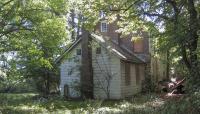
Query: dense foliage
(33, 34)
(34, 30)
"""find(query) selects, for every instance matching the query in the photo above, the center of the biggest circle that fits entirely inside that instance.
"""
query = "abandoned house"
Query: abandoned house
(104, 65)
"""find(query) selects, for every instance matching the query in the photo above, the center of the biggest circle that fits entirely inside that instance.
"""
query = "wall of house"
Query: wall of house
(70, 73)
(105, 65)
(111, 33)
(126, 41)
(134, 87)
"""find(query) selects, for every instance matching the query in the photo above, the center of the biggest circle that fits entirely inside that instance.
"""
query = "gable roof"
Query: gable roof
(109, 45)
(116, 49)
(67, 50)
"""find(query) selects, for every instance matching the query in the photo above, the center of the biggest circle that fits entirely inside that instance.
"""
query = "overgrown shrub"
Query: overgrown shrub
(16, 85)
(148, 84)
(189, 104)
(13, 80)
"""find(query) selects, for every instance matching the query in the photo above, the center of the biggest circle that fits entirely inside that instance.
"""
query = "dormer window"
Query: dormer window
(104, 27)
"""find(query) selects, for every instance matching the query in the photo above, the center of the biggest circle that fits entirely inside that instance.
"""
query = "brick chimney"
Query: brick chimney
(86, 68)
(118, 34)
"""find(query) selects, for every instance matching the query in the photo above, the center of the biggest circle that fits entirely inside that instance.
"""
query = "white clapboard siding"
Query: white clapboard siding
(105, 64)
(70, 73)
(132, 88)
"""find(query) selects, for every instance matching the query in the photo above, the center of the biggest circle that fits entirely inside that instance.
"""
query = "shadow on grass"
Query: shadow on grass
(30, 103)
(15, 99)
(33, 103)
(12, 110)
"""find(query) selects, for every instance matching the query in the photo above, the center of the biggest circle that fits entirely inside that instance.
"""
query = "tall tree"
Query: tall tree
(35, 31)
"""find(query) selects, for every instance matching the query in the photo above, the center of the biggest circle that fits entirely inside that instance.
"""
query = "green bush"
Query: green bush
(189, 104)
(148, 86)
(16, 84)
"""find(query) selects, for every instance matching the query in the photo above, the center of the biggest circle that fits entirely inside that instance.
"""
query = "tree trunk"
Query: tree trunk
(168, 65)
(47, 83)
(193, 43)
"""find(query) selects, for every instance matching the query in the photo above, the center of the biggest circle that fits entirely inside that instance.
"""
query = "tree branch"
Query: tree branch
(124, 9)
(157, 15)
(173, 4)
(6, 3)
(13, 30)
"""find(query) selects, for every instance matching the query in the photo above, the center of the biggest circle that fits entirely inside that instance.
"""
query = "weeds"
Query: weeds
(30, 103)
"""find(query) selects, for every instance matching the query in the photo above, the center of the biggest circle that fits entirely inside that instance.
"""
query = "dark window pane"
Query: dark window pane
(78, 51)
(98, 50)
(104, 27)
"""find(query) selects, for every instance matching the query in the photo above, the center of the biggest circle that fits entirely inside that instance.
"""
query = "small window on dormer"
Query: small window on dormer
(104, 27)
(98, 50)
(78, 51)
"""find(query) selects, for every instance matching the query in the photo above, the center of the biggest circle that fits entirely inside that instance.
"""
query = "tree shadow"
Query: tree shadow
(20, 111)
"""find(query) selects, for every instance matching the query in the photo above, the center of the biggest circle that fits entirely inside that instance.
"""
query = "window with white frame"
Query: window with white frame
(104, 27)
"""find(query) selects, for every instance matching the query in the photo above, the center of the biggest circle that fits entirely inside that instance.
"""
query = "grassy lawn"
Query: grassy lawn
(30, 103)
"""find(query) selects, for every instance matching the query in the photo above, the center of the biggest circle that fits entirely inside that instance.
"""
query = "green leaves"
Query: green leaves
(58, 6)
(35, 30)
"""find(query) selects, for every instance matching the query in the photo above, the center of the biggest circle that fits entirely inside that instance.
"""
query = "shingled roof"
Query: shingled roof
(116, 49)
(109, 45)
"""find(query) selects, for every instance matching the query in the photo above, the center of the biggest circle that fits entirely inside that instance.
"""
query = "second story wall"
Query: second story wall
(140, 46)
(111, 30)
